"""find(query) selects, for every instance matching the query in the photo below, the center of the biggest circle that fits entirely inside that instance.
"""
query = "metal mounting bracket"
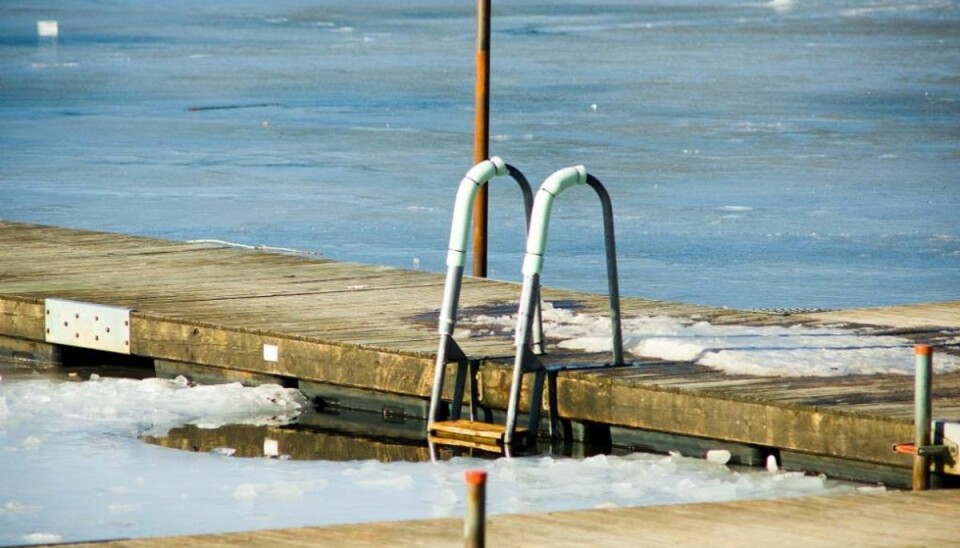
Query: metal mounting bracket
(945, 450)
(87, 325)
(923, 450)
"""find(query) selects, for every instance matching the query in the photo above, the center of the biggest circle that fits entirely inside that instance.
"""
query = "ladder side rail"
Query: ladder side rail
(476, 177)
(524, 321)
(448, 314)
(525, 189)
(533, 266)
(613, 280)
(537, 335)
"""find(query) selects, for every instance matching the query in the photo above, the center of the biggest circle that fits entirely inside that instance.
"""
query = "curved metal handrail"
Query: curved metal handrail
(476, 177)
(533, 265)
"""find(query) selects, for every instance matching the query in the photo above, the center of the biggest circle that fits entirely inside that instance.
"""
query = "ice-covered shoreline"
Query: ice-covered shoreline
(74, 469)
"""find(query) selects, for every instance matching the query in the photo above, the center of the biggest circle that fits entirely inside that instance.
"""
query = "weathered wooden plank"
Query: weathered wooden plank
(944, 314)
(465, 429)
(29, 352)
(594, 397)
(349, 365)
(883, 519)
(375, 327)
(21, 317)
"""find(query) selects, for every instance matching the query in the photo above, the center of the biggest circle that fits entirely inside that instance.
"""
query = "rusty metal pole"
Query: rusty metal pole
(921, 415)
(481, 135)
(474, 524)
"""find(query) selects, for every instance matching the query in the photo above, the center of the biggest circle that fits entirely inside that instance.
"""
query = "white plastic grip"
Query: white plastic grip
(478, 176)
(540, 218)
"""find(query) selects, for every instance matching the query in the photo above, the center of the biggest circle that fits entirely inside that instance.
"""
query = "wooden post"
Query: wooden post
(474, 525)
(481, 135)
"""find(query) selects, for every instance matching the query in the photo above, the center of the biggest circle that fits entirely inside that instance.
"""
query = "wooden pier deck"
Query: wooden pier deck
(214, 307)
(887, 519)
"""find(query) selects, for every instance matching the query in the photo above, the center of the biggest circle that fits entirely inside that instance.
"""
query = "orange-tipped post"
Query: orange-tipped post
(474, 525)
(921, 415)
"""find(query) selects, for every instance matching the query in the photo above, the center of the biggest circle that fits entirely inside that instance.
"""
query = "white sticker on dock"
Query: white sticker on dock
(271, 448)
(271, 353)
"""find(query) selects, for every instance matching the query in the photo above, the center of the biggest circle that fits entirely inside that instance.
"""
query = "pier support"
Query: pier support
(30, 353)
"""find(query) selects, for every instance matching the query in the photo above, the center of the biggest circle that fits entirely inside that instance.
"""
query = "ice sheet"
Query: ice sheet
(759, 154)
(73, 469)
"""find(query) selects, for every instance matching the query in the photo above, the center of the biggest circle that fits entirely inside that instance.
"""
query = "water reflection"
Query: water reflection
(335, 436)
(340, 435)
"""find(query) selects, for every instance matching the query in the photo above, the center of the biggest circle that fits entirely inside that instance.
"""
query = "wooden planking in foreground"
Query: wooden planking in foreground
(374, 327)
(884, 519)
(935, 315)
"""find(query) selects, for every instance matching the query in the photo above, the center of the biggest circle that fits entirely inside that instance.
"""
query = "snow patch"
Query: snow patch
(795, 351)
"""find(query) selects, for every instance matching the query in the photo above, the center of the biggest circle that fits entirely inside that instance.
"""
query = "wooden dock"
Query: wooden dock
(215, 309)
(886, 519)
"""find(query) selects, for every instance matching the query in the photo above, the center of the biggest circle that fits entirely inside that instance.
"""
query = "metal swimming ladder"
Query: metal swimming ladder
(528, 335)
(449, 350)
(526, 360)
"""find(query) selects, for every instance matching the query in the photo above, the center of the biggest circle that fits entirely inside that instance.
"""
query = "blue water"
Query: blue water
(758, 154)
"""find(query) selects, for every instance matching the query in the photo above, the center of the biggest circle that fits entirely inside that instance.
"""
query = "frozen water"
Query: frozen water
(150, 406)
(797, 351)
(73, 469)
(759, 154)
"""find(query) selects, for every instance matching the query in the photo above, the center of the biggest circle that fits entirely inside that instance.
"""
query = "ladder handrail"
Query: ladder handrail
(533, 265)
(537, 239)
(613, 279)
(479, 175)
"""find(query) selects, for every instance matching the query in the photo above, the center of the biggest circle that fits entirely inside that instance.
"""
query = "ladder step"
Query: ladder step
(468, 433)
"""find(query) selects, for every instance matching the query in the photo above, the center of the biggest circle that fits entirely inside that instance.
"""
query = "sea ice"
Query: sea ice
(41, 538)
(772, 463)
(245, 491)
(719, 456)
(150, 491)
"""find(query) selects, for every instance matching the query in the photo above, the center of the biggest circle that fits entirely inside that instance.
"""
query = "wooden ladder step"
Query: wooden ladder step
(466, 433)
